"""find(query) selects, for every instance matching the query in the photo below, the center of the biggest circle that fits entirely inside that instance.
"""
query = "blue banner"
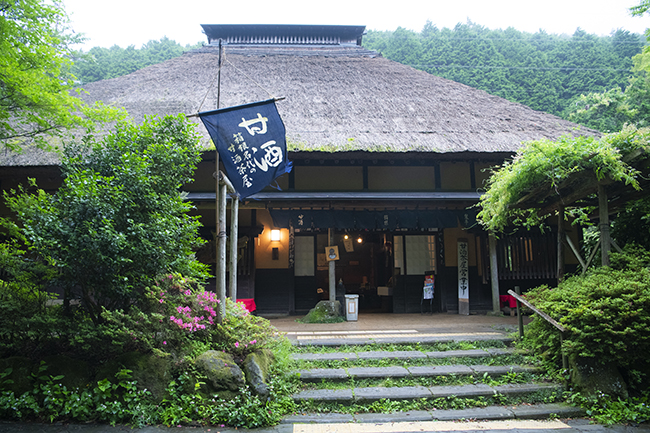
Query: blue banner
(251, 143)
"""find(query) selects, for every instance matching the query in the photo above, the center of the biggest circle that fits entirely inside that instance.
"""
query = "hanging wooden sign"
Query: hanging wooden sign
(463, 277)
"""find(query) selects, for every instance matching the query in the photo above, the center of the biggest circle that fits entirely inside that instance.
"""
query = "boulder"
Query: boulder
(148, 370)
(76, 373)
(324, 312)
(589, 376)
(221, 371)
(19, 380)
(256, 367)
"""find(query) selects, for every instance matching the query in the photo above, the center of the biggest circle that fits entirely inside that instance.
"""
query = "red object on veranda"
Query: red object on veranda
(249, 304)
(508, 300)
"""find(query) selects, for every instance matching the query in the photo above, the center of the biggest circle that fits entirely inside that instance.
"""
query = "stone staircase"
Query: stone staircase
(396, 378)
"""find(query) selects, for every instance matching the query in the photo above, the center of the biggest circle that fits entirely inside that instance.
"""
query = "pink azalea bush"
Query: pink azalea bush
(180, 318)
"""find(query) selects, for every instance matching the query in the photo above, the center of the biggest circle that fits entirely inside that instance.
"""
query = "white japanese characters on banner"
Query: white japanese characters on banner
(251, 142)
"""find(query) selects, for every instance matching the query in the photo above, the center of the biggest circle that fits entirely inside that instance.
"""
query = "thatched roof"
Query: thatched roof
(339, 97)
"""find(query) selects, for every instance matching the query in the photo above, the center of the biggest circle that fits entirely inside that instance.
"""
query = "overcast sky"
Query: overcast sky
(135, 22)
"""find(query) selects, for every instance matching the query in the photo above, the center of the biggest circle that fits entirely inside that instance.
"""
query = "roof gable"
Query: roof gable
(283, 34)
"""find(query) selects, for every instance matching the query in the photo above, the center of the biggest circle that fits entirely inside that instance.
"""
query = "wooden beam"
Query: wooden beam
(494, 273)
(576, 253)
(234, 237)
(221, 254)
(603, 215)
(561, 235)
(546, 317)
(591, 256)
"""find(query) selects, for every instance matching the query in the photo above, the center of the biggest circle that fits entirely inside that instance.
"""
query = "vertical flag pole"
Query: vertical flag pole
(221, 257)
(234, 229)
(219, 268)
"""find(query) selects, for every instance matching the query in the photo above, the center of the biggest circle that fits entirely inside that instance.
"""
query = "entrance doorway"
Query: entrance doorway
(365, 263)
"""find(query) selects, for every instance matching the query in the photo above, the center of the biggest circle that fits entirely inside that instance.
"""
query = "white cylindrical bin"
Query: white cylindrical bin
(351, 307)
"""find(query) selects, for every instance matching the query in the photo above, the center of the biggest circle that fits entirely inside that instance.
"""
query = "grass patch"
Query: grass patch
(445, 403)
(447, 380)
(413, 362)
(390, 347)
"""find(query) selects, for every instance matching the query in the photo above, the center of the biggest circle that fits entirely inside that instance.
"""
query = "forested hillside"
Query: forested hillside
(103, 63)
(544, 71)
(580, 77)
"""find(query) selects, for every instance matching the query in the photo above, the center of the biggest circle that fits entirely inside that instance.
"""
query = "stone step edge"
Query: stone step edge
(339, 374)
(535, 411)
(335, 342)
(407, 354)
(370, 394)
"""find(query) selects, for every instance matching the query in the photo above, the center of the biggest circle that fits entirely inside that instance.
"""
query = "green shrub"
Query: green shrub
(606, 314)
(242, 333)
(119, 218)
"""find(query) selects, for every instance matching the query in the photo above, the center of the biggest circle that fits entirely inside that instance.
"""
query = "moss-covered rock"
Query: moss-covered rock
(589, 376)
(221, 371)
(256, 367)
(76, 373)
(324, 312)
(148, 370)
(20, 379)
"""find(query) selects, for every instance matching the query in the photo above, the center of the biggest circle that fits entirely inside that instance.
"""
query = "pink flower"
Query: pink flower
(237, 344)
(164, 342)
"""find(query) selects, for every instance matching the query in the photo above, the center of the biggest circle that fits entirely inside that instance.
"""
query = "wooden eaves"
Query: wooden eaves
(584, 189)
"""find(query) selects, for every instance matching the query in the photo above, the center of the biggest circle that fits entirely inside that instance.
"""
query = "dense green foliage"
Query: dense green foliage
(119, 219)
(120, 400)
(631, 224)
(610, 110)
(543, 71)
(546, 163)
(175, 321)
(103, 63)
(606, 314)
(35, 78)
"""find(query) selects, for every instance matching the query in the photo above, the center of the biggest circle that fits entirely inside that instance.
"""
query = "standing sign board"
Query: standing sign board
(463, 277)
(427, 290)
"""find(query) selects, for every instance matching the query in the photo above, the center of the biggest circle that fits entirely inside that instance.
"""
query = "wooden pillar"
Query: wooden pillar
(216, 229)
(561, 234)
(234, 228)
(520, 318)
(494, 273)
(603, 213)
(221, 253)
(332, 269)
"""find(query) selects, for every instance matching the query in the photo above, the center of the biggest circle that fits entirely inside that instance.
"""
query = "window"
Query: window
(415, 253)
(304, 256)
(527, 257)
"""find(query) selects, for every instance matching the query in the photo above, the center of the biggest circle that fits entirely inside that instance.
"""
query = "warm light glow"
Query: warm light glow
(346, 237)
(359, 240)
(275, 235)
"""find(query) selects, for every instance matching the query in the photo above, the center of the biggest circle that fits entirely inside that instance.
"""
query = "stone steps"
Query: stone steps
(428, 366)
(339, 374)
(404, 354)
(336, 340)
(524, 411)
(375, 393)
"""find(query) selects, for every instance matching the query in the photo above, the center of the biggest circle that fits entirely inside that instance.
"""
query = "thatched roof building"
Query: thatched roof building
(339, 96)
(393, 155)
